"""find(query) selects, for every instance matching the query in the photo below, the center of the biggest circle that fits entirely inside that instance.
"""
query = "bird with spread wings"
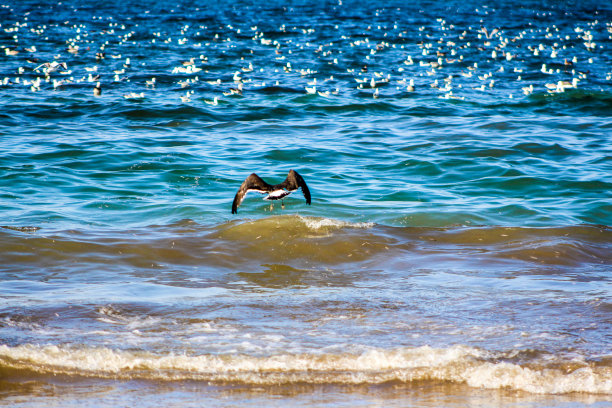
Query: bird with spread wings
(274, 192)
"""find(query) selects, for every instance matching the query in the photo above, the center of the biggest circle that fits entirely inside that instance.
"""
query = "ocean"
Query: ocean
(457, 250)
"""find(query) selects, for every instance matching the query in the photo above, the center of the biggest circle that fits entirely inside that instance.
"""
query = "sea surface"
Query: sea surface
(457, 251)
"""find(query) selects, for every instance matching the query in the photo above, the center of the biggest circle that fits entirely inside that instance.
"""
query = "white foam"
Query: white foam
(457, 364)
(319, 223)
(112, 316)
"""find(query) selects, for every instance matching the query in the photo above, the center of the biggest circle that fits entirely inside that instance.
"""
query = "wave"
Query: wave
(299, 224)
(544, 374)
(300, 241)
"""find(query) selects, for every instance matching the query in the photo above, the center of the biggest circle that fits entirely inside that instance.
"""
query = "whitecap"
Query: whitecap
(459, 364)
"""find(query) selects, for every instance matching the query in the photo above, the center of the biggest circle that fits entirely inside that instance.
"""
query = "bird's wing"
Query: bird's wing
(295, 181)
(253, 182)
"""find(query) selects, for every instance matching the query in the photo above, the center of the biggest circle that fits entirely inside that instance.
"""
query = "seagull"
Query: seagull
(487, 34)
(51, 66)
(274, 192)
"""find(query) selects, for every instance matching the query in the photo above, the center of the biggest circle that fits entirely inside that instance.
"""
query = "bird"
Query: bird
(52, 66)
(487, 34)
(274, 192)
(214, 102)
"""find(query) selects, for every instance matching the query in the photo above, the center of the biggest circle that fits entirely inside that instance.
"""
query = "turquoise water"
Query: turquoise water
(456, 251)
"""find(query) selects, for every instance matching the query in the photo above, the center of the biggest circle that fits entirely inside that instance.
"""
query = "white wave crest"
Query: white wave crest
(315, 223)
(457, 364)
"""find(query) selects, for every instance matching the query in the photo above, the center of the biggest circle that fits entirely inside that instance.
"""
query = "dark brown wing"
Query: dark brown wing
(295, 181)
(254, 183)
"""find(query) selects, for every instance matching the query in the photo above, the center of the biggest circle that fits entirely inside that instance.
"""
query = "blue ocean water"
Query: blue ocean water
(457, 247)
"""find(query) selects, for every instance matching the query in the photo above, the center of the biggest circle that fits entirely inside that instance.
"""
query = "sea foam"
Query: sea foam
(317, 223)
(460, 364)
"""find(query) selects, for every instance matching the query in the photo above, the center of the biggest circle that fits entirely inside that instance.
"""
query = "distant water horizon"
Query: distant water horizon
(456, 251)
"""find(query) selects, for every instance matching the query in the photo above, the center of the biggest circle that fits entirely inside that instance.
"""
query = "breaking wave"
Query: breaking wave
(299, 240)
(526, 371)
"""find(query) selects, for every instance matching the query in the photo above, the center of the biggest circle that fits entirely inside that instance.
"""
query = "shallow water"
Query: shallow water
(456, 252)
